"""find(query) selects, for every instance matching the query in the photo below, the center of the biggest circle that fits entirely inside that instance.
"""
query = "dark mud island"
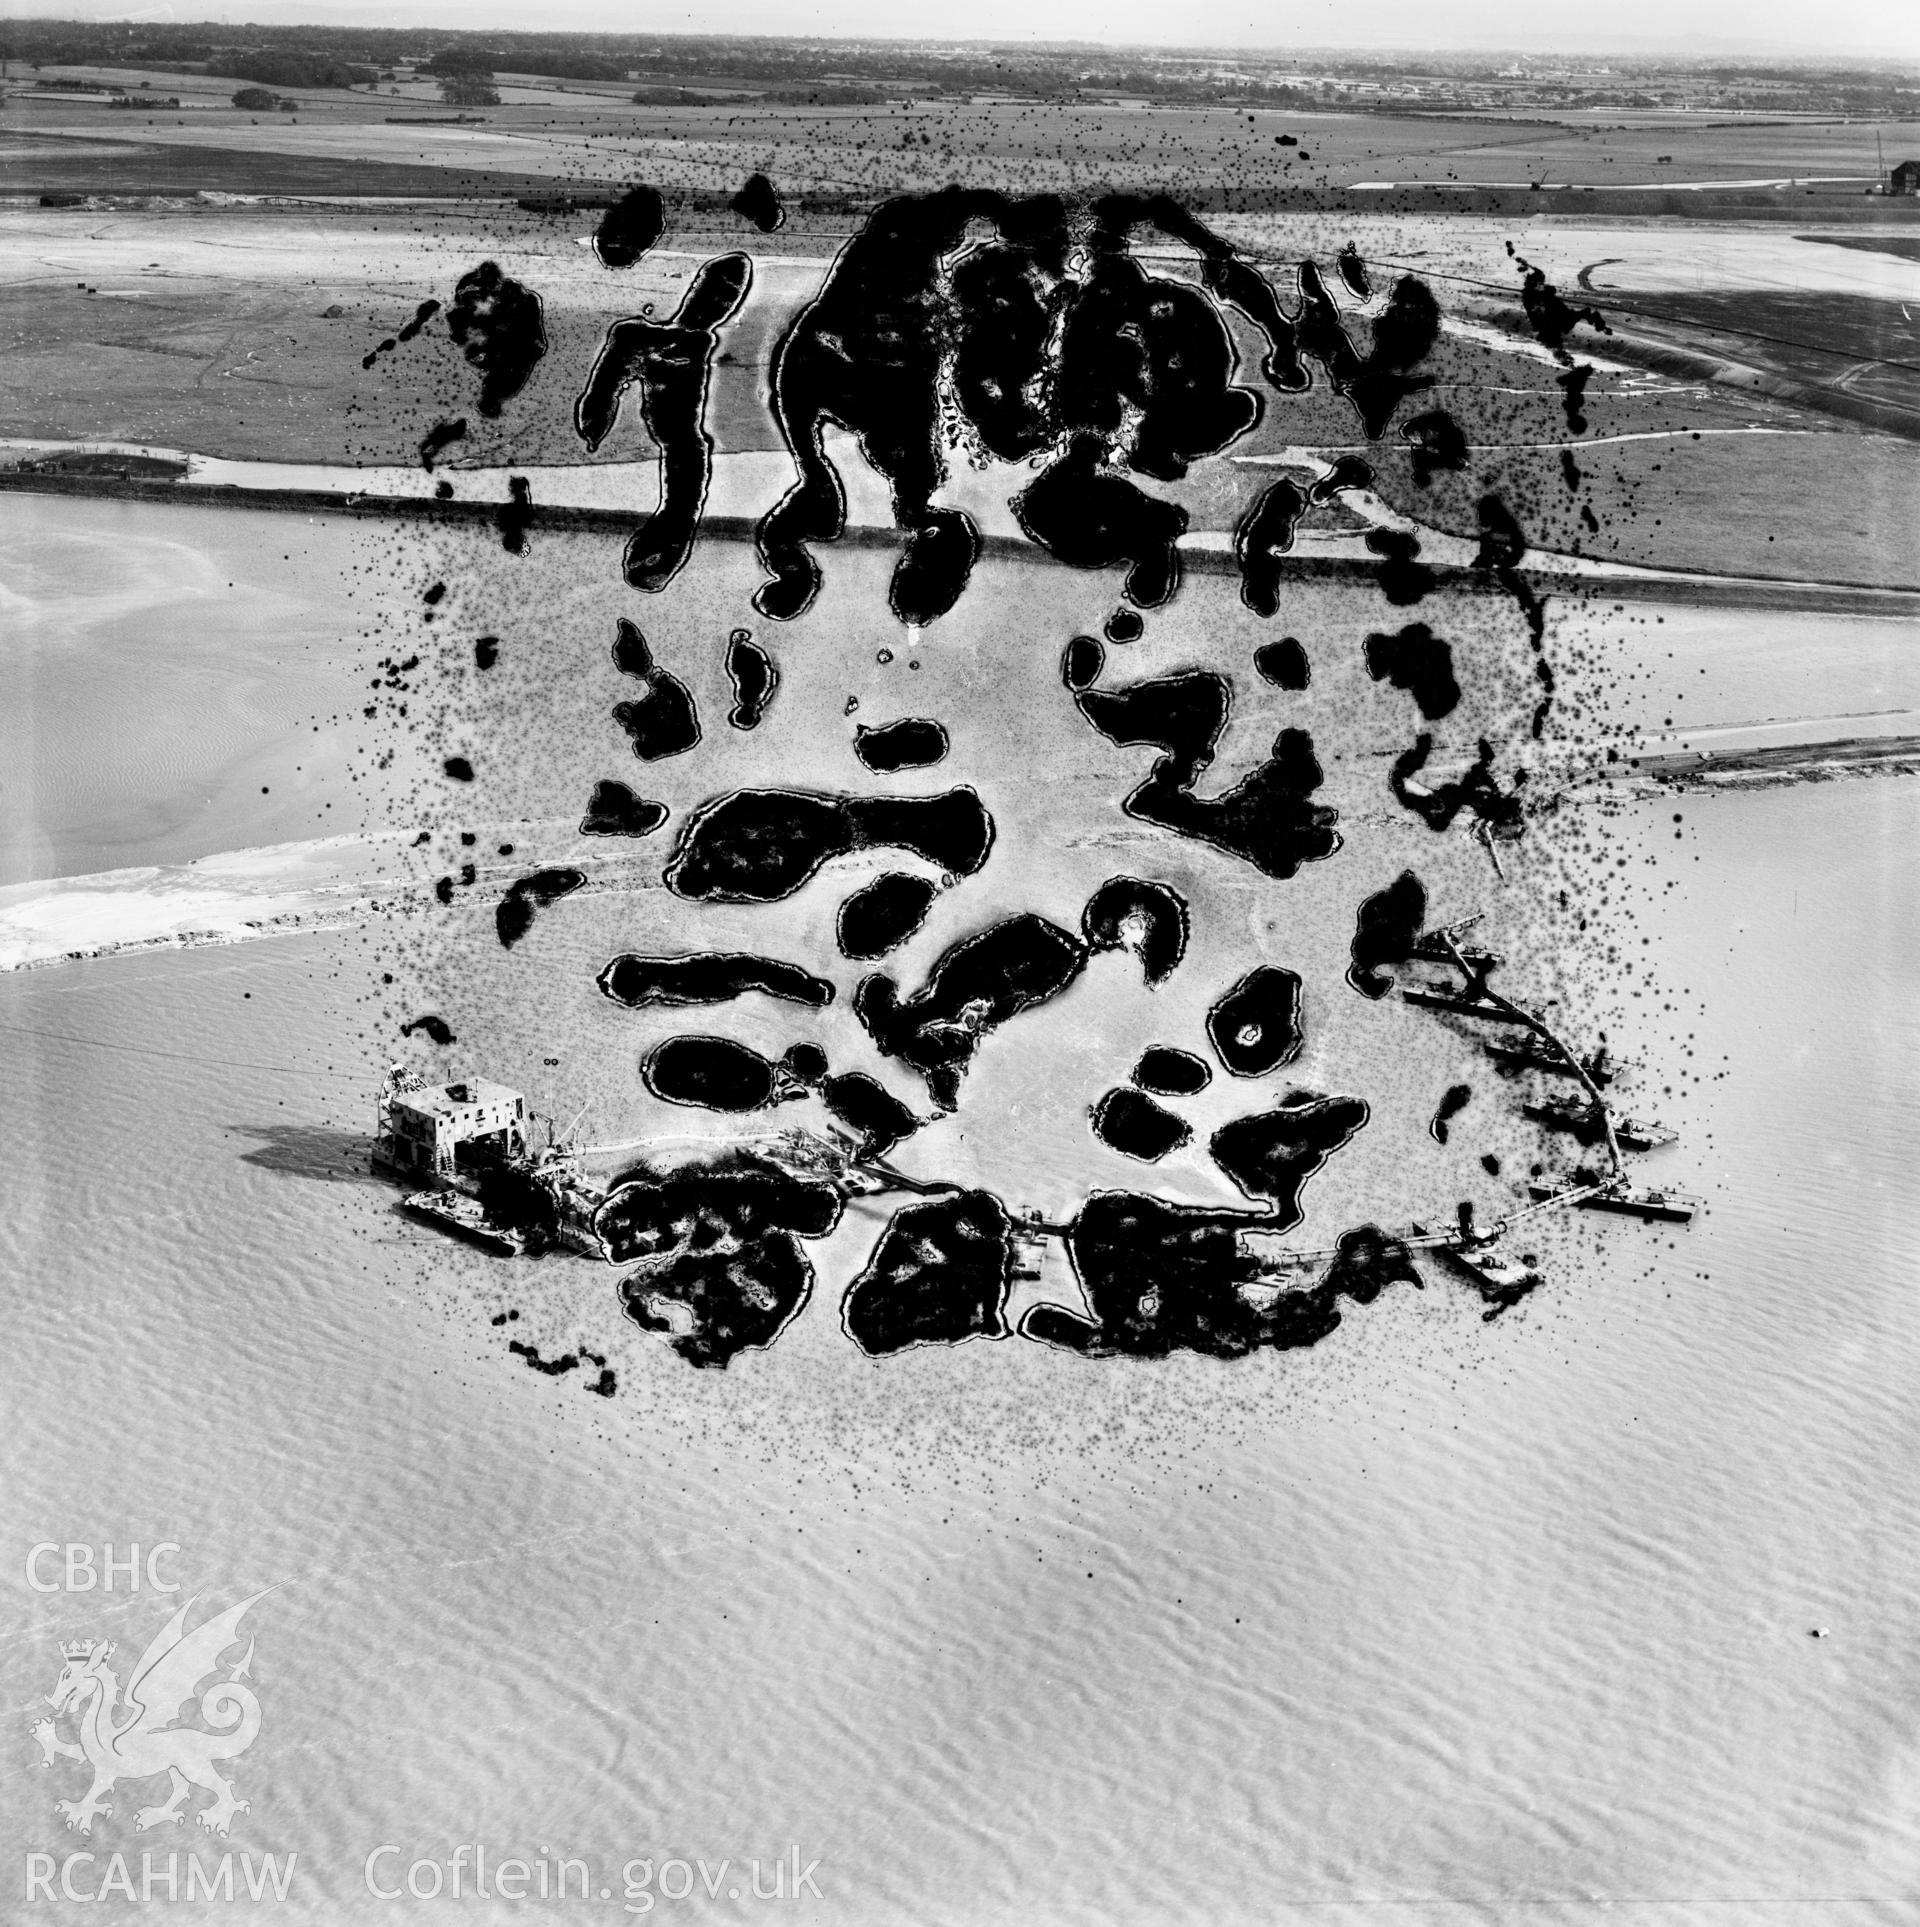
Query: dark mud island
(1021, 328)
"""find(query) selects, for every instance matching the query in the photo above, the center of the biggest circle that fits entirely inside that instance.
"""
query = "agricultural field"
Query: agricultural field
(211, 279)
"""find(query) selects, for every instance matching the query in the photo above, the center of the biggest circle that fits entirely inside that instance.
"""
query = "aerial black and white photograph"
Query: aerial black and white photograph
(960, 970)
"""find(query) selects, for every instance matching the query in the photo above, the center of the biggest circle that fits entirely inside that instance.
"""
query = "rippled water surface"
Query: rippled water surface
(1441, 1619)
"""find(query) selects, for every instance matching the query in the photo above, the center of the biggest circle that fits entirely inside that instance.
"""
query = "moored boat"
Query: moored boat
(1535, 1053)
(1631, 1201)
(456, 1212)
(1583, 1122)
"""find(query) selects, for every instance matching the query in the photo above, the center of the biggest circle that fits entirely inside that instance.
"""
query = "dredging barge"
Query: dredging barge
(470, 1146)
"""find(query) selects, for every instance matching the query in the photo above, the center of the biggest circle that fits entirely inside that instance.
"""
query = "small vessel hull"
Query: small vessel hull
(1490, 1272)
(1583, 1123)
(461, 1217)
(1668, 1207)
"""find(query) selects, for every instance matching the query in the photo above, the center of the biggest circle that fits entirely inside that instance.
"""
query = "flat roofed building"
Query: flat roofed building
(439, 1130)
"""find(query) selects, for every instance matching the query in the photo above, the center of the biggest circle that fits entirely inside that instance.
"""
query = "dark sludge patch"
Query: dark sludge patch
(1261, 540)
(663, 722)
(632, 653)
(1572, 383)
(1353, 271)
(708, 977)
(1437, 804)
(614, 810)
(629, 227)
(1267, 819)
(1403, 578)
(1150, 920)
(1548, 314)
(754, 678)
(867, 1108)
(1007, 298)
(941, 1274)
(1452, 1103)
(757, 846)
(714, 1073)
(434, 594)
(1081, 662)
(719, 1265)
(1181, 715)
(1499, 1298)
(1273, 1153)
(866, 352)
(1124, 626)
(514, 517)
(1255, 1028)
(1173, 1073)
(1503, 544)
(1108, 365)
(1344, 473)
(553, 1367)
(441, 436)
(514, 1200)
(431, 1025)
(978, 985)
(500, 328)
(513, 915)
(1570, 471)
(805, 1063)
(1418, 661)
(1284, 664)
(1136, 342)
(914, 742)
(880, 916)
(758, 204)
(936, 565)
(421, 316)
(458, 768)
(1131, 1123)
(1385, 930)
(672, 361)
(1160, 1278)
(1366, 1261)
(1437, 444)
(486, 651)
(1090, 517)
(1403, 333)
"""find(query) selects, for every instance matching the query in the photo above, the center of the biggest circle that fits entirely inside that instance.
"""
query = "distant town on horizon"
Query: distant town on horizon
(715, 69)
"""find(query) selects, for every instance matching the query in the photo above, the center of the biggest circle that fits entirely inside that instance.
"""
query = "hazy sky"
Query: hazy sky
(1885, 27)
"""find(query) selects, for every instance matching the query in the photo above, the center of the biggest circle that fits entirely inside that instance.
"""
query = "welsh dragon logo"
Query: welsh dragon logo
(137, 1738)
